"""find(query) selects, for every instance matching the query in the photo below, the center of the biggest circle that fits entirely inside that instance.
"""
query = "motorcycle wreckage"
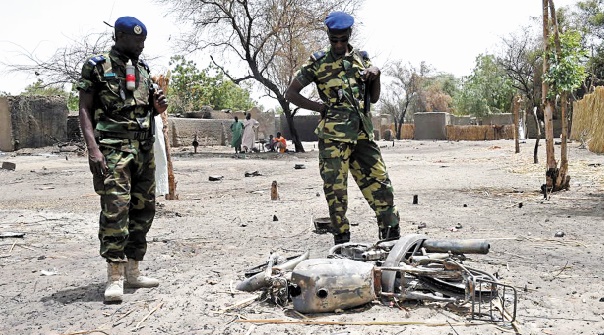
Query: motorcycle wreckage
(411, 268)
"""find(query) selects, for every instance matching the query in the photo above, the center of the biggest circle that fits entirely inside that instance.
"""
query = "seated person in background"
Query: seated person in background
(280, 143)
(270, 145)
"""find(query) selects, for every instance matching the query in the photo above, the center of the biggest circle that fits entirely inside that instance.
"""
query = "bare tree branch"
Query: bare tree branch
(64, 66)
(272, 38)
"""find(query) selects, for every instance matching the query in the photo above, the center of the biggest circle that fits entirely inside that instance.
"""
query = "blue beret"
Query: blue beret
(130, 25)
(339, 21)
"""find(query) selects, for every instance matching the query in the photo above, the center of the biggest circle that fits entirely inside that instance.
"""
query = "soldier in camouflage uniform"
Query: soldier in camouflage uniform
(117, 124)
(343, 75)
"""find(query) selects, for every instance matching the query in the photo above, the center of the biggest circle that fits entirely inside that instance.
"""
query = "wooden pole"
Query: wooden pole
(163, 82)
(516, 106)
(547, 106)
(562, 180)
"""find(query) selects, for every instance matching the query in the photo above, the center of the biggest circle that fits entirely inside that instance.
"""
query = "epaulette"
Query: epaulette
(317, 55)
(364, 54)
(99, 59)
(144, 64)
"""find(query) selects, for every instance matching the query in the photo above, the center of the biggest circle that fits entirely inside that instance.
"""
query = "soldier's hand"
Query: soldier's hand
(160, 103)
(97, 162)
(371, 73)
(323, 110)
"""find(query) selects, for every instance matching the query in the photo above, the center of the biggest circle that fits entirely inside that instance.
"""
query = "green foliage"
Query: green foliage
(566, 71)
(595, 64)
(190, 89)
(588, 20)
(448, 83)
(73, 99)
(278, 110)
(39, 88)
(438, 92)
(487, 90)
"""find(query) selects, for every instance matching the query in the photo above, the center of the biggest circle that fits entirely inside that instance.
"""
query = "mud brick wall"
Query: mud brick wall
(431, 125)
(209, 132)
(265, 128)
(305, 126)
(407, 131)
(461, 120)
(480, 132)
(499, 118)
(74, 132)
(32, 121)
(531, 127)
(6, 129)
(381, 125)
(267, 125)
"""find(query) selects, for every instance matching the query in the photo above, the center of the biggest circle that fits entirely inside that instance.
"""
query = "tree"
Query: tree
(588, 20)
(185, 90)
(39, 88)
(227, 95)
(65, 65)
(562, 73)
(521, 59)
(416, 90)
(487, 90)
(63, 68)
(271, 38)
(191, 88)
(391, 103)
(404, 93)
(439, 92)
(566, 69)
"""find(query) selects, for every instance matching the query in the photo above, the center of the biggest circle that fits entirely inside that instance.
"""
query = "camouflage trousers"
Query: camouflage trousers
(364, 160)
(127, 203)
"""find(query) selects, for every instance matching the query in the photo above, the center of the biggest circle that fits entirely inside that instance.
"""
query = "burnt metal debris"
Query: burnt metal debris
(412, 268)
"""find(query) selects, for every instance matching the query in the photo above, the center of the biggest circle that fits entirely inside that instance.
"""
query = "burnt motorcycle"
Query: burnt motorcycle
(414, 267)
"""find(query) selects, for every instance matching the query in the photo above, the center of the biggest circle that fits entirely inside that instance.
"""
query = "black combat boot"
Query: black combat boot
(341, 238)
(390, 233)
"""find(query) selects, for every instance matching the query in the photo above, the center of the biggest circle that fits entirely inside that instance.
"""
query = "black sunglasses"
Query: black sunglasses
(338, 39)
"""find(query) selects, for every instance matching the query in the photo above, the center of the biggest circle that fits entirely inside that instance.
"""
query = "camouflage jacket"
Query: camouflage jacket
(339, 84)
(117, 109)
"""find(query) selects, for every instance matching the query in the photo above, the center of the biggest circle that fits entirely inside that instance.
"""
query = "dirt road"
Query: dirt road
(52, 279)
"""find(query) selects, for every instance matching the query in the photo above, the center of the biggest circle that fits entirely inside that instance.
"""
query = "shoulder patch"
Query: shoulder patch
(99, 59)
(317, 55)
(365, 55)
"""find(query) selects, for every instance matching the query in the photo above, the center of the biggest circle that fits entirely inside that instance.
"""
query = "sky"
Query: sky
(446, 34)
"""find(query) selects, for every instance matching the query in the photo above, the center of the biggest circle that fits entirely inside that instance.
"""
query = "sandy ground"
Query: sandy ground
(52, 279)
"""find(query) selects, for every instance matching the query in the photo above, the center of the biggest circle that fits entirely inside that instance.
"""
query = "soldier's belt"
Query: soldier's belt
(131, 135)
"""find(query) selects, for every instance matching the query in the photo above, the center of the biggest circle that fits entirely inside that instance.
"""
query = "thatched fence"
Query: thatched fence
(480, 133)
(588, 120)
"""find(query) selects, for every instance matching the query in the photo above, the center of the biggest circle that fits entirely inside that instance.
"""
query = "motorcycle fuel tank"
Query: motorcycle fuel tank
(324, 285)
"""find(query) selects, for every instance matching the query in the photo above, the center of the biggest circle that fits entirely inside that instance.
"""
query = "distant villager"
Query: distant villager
(249, 132)
(237, 131)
